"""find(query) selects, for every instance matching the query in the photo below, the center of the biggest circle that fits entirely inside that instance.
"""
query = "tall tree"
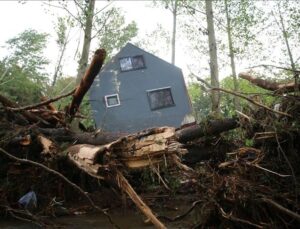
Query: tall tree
(95, 23)
(88, 12)
(63, 32)
(214, 69)
(174, 6)
(289, 31)
(23, 75)
(231, 54)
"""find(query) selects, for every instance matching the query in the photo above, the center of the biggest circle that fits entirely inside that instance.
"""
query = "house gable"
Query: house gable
(134, 110)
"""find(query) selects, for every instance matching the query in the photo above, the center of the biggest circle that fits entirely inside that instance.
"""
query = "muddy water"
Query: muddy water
(130, 221)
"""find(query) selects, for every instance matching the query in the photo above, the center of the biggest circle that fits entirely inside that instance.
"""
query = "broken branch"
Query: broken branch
(269, 85)
(86, 81)
(252, 101)
(29, 107)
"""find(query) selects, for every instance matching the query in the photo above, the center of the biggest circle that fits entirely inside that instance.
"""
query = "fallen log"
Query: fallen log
(183, 135)
(86, 81)
(269, 85)
(203, 129)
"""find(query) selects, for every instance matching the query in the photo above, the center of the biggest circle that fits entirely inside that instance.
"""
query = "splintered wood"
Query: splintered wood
(140, 150)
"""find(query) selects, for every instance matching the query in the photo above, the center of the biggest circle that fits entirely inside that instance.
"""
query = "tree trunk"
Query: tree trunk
(174, 11)
(213, 56)
(231, 54)
(87, 41)
(58, 66)
(285, 35)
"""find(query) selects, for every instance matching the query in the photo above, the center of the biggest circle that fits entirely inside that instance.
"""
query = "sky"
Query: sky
(15, 17)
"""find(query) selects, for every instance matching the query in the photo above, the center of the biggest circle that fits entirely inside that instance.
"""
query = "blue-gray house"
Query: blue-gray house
(136, 90)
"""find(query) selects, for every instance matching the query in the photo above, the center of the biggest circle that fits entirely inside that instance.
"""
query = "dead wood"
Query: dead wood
(29, 116)
(252, 101)
(126, 187)
(269, 85)
(282, 209)
(86, 81)
(43, 103)
(76, 187)
(209, 128)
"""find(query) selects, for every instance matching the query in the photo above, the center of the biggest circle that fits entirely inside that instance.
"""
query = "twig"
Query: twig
(281, 208)
(252, 101)
(29, 107)
(274, 66)
(289, 164)
(26, 161)
(267, 170)
(178, 217)
(233, 218)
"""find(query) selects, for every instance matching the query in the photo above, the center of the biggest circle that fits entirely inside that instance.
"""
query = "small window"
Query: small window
(132, 63)
(112, 100)
(126, 64)
(160, 98)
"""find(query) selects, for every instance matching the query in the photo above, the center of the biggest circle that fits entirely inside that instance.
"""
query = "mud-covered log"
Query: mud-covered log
(269, 85)
(210, 128)
(87, 81)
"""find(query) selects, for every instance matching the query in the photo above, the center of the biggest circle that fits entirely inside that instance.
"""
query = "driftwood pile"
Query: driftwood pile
(233, 186)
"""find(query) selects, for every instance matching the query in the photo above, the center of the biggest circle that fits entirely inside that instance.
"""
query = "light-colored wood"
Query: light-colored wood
(126, 187)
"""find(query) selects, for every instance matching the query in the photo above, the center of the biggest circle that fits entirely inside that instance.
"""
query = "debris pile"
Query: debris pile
(230, 184)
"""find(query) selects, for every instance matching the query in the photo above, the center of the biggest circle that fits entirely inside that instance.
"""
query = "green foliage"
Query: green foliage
(200, 101)
(115, 33)
(246, 88)
(22, 72)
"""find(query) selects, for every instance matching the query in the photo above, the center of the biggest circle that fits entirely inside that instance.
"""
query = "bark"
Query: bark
(213, 127)
(210, 128)
(213, 56)
(59, 63)
(231, 54)
(86, 81)
(87, 40)
(269, 85)
(285, 35)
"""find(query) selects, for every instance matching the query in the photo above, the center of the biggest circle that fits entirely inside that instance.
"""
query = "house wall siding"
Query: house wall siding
(134, 112)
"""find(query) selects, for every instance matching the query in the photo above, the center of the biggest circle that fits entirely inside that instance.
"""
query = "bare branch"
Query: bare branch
(29, 107)
(252, 101)
(66, 9)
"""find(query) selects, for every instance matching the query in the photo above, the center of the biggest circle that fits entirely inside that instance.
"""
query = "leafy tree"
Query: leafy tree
(149, 41)
(214, 69)
(63, 28)
(95, 23)
(23, 75)
(200, 101)
(115, 32)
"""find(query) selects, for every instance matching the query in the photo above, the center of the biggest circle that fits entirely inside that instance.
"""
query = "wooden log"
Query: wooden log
(86, 81)
(269, 85)
(126, 187)
(210, 128)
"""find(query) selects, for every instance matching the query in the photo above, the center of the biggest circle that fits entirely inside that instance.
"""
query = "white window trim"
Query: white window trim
(107, 96)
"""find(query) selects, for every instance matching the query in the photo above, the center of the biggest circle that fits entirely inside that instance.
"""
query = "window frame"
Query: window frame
(106, 97)
(133, 68)
(160, 89)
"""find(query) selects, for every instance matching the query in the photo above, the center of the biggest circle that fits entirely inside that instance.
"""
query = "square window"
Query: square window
(125, 64)
(112, 100)
(138, 62)
(160, 98)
